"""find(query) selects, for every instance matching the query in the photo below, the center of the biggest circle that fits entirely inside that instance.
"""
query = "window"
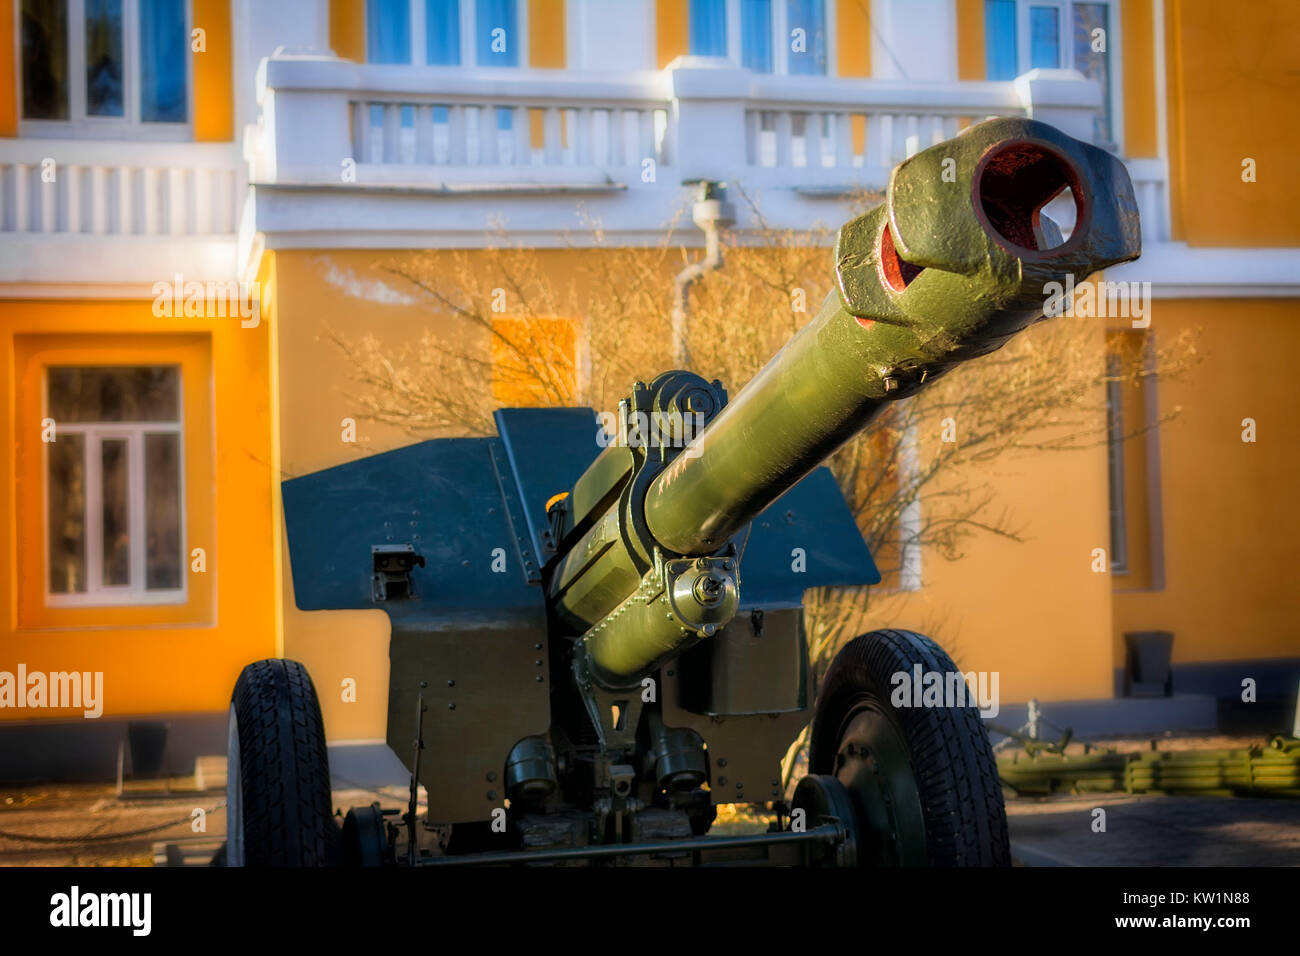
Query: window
(92, 67)
(707, 21)
(772, 36)
(756, 35)
(1115, 463)
(1000, 57)
(388, 31)
(808, 50)
(444, 32)
(113, 487)
(496, 32)
(1022, 35)
(1044, 37)
(1133, 459)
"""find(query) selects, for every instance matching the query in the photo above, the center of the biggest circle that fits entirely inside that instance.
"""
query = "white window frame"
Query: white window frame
(1114, 49)
(79, 124)
(468, 48)
(97, 594)
(1022, 31)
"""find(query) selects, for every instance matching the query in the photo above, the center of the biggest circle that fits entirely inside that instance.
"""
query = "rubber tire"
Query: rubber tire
(952, 762)
(283, 768)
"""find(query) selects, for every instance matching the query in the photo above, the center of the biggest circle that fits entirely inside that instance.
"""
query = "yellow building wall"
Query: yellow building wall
(1231, 516)
(317, 293)
(1033, 611)
(853, 38)
(671, 30)
(970, 40)
(1136, 21)
(154, 659)
(8, 71)
(546, 24)
(214, 97)
(348, 29)
(1233, 82)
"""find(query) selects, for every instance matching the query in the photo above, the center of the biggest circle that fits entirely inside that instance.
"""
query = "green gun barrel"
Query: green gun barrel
(952, 265)
(955, 262)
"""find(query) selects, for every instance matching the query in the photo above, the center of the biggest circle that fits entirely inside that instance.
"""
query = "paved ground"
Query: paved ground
(1053, 831)
(1155, 831)
(79, 825)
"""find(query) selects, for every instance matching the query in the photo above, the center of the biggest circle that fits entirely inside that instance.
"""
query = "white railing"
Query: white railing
(797, 123)
(627, 141)
(506, 133)
(119, 189)
(700, 116)
(420, 124)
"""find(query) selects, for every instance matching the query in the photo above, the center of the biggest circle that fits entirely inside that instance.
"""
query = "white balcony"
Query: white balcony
(116, 214)
(390, 156)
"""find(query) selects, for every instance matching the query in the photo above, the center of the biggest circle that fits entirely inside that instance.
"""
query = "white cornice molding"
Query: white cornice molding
(1179, 271)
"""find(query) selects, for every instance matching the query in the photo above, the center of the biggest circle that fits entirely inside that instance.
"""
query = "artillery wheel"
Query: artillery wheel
(922, 780)
(278, 803)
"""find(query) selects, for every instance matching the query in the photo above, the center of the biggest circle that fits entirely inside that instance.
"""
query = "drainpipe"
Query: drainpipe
(710, 212)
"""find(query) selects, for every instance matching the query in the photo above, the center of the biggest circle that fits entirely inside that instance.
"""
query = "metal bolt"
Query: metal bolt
(538, 662)
(451, 706)
(722, 781)
(492, 776)
(450, 683)
(492, 794)
(722, 761)
(539, 678)
(537, 647)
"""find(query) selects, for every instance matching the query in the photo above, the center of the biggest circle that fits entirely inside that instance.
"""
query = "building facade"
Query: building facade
(194, 192)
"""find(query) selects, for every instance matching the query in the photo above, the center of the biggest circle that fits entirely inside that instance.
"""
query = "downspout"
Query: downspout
(710, 212)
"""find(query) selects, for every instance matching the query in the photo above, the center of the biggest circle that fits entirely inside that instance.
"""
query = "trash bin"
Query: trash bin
(147, 740)
(1148, 669)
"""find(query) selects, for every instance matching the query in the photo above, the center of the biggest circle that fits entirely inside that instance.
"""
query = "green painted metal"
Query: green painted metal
(955, 262)
(952, 265)
(1271, 770)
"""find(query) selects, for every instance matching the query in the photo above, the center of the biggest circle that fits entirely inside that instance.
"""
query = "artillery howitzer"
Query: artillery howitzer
(586, 676)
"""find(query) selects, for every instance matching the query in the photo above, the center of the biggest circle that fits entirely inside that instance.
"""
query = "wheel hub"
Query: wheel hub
(872, 765)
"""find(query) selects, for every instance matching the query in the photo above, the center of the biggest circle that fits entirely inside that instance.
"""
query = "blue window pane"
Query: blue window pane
(1044, 38)
(442, 32)
(1000, 39)
(162, 61)
(1088, 18)
(44, 32)
(388, 31)
(104, 58)
(496, 31)
(756, 35)
(807, 50)
(708, 27)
